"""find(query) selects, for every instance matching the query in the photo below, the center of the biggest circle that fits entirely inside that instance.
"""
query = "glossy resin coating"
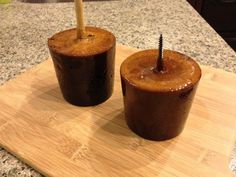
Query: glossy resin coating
(84, 68)
(157, 103)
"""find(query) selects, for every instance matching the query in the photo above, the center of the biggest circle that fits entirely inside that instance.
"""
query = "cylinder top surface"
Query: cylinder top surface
(180, 71)
(66, 43)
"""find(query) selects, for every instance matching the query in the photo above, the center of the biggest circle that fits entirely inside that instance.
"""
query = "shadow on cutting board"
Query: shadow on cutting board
(109, 146)
(124, 152)
(49, 97)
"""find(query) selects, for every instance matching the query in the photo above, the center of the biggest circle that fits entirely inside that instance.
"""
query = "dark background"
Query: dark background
(221, 15)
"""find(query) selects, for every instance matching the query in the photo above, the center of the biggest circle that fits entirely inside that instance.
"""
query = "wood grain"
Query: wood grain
(62, 140)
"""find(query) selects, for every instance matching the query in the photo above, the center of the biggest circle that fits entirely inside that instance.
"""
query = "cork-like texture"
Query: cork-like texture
(97, 41)
(25, 28)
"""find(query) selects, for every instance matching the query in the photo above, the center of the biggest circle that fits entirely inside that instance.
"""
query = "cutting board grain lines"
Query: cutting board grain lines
(61, 140)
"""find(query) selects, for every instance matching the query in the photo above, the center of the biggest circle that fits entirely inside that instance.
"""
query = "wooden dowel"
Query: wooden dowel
(80, 19)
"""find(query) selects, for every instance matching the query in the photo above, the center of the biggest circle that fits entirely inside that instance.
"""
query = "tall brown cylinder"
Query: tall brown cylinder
(85, 67)
(157, 103)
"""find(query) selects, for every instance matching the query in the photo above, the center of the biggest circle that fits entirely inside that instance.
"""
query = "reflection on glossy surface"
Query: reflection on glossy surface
(157, 104)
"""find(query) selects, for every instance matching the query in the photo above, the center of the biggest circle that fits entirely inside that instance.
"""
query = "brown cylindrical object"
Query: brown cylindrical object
(157, 103)
(84, 67)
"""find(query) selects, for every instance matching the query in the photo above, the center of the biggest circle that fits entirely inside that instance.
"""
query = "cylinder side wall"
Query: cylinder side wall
(156, 115)
(85, 81)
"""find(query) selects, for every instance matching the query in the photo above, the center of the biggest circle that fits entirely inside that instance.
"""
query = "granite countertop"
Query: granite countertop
(24, 29)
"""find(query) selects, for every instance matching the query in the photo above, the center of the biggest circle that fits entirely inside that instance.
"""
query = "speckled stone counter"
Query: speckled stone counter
(24, 29)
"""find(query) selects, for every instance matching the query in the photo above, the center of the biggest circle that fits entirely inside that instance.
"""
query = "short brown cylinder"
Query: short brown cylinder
(157, 103)
(84, 67)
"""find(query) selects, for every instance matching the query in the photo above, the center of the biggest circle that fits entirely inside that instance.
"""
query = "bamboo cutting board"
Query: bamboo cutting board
(61, 140)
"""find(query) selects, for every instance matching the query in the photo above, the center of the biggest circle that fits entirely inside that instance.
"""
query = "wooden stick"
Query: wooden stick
(80, 19)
